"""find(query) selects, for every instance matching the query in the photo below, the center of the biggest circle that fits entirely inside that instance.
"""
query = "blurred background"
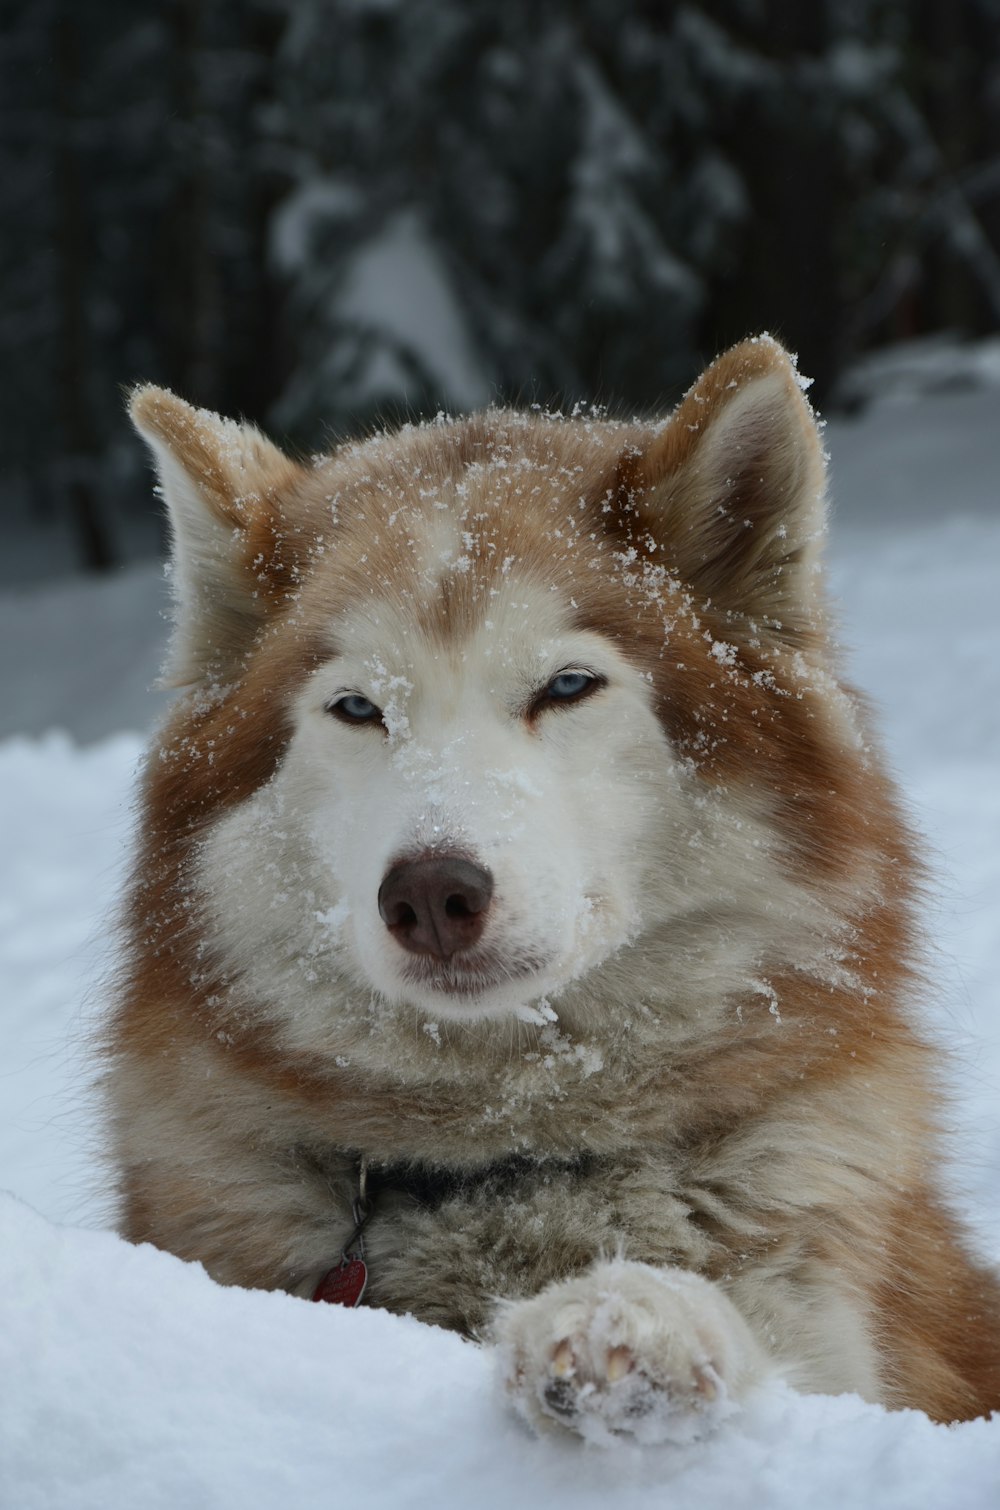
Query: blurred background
(317, 213)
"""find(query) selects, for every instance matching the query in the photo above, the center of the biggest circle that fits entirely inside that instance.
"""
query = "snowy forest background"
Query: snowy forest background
(320, 212)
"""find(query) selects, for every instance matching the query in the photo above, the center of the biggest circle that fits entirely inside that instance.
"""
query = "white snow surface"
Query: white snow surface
(130, 1379)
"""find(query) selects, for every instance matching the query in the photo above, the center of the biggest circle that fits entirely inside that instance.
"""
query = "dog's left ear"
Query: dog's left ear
(734, 486)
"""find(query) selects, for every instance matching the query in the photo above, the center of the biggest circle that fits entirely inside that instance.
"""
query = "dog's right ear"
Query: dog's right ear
(223, 483)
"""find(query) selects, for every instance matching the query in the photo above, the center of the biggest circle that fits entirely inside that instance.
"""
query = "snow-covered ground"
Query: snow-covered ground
(129, 1379)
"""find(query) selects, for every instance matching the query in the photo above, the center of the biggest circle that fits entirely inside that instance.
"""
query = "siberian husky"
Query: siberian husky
(522, 927)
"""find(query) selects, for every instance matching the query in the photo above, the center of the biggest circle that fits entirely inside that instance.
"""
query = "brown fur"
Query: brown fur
(750, 1145)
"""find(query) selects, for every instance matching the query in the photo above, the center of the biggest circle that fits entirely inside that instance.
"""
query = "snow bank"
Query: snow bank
(140, 1383)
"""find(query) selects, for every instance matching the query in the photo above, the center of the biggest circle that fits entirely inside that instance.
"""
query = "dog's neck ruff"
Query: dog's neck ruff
(428, 1186)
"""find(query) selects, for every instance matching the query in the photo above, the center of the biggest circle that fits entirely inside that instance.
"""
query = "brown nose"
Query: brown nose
(435, 905)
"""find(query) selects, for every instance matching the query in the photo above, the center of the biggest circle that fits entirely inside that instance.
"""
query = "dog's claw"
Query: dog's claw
(619, 1362)
(563, 1362)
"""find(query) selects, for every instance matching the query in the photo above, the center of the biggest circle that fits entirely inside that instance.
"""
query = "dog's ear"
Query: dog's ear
(222, 483)
(733, 488)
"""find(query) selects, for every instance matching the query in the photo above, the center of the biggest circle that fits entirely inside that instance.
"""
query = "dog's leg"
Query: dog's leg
(626, 1349)
(255, 1226)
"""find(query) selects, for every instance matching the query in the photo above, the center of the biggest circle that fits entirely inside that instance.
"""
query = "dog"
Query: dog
(522, 931)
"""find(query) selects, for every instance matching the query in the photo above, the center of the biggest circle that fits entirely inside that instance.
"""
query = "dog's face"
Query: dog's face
(482, 688)
(488, 806)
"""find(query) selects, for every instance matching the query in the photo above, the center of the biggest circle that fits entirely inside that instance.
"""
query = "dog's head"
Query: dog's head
(478, 704)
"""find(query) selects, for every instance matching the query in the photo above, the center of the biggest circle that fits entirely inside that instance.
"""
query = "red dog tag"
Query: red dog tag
(344, 1285)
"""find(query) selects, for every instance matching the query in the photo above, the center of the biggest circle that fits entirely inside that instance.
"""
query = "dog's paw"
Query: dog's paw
(628, 1350)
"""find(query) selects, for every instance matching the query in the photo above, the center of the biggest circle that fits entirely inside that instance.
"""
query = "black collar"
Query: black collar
(431, 1185)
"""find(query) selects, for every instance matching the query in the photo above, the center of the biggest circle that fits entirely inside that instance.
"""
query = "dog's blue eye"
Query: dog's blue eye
(566, 688)
(569, 685)
(355, 709)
